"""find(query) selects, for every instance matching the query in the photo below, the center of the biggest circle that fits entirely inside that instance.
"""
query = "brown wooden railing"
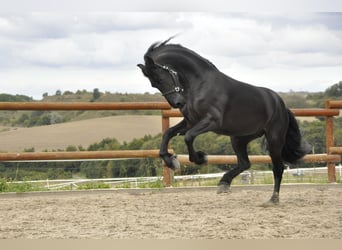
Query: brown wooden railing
(331, 157)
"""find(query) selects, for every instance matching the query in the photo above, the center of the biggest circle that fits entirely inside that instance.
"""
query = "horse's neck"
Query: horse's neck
(190, 67)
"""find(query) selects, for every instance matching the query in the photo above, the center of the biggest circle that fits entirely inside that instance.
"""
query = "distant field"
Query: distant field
(82, 133)
(86, 132)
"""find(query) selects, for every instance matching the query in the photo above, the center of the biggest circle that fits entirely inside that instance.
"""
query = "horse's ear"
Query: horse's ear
(143, 69)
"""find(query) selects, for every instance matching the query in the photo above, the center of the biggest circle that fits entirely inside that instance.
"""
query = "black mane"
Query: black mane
(157, 46)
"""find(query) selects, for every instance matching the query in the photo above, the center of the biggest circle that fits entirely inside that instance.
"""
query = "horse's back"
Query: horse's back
(248, 109)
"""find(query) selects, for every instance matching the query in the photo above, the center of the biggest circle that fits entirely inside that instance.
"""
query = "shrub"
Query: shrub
(3, 185)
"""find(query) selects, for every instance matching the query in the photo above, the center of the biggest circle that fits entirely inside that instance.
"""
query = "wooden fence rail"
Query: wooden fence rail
(232, 159)
(297, 112)
(79, 155)
(331, 110)
(84, 105)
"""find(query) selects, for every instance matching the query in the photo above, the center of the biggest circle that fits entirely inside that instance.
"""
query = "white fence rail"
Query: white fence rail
(247, 177)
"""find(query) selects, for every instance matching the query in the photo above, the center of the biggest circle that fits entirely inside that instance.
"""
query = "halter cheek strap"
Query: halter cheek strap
(174, 75)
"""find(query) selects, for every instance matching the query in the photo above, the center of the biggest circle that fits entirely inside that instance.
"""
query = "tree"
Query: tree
(96, 94)
(71, 148)
(313, 133)
(67, 92)
(335, 90)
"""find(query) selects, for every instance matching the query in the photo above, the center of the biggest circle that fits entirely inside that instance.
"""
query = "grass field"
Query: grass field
(78, 133)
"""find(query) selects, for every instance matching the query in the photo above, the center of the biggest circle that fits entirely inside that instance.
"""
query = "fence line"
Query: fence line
(297, 112)
(333, 104)
(331, 110)
(84, 106)
(306, 175)
(81, 155)
(232, 159)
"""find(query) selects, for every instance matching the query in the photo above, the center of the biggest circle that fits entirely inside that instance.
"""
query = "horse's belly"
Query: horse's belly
(239, 132)
(242, 127)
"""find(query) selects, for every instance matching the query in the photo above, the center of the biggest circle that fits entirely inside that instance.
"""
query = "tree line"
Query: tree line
(39, 118)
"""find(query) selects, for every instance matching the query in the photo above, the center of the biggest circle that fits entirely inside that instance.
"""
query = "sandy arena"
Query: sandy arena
(305, 212)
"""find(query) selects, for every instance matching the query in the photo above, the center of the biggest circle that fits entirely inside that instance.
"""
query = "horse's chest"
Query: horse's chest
(193, 116)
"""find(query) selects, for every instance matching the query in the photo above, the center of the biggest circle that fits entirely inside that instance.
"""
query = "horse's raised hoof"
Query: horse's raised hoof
(175, 163)
(171, 161)
(223, 189)
(201, 158)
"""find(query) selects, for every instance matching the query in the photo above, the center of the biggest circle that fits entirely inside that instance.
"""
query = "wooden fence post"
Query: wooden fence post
(329, 135)
(166, 170)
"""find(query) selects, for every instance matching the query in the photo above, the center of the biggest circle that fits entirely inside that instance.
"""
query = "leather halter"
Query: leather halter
(174, 75)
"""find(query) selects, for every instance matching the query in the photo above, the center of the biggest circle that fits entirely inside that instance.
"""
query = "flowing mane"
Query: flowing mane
(156, 48)
(158, 44)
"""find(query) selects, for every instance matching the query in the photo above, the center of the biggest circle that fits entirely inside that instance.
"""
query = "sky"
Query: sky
(43, 50)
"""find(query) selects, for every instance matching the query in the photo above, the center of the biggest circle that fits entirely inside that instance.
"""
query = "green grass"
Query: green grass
(93, 185)
(19, 187)
(154, 184)
(25, 186)
(123, 185)
(151, 184)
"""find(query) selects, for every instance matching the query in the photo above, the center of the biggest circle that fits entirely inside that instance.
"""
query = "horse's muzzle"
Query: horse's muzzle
(179, 102)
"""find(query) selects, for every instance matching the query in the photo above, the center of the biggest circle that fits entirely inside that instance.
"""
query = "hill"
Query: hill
(53, 130)
(39, 118)
(78, 133)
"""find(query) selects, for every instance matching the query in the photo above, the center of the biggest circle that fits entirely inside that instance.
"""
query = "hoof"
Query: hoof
(223, 188)
(202, 158)
(274, 201)
(171, 161)
(175, 163)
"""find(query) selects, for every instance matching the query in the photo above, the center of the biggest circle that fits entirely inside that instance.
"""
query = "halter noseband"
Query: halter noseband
(174, 75)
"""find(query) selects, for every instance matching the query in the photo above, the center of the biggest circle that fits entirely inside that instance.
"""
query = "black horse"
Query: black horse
(211, 101)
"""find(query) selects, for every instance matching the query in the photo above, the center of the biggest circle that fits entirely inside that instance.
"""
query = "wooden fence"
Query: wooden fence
(331, 157)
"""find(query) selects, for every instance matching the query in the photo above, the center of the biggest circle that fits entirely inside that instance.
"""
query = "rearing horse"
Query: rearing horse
(212, 101)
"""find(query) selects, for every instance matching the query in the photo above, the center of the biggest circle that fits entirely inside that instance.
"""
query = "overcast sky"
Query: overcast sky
(44, 51)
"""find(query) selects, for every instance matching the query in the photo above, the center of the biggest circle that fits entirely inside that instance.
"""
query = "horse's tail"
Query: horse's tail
(295, 147)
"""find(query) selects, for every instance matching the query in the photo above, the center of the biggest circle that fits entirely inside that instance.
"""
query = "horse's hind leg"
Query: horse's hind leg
(240, 147)
(275, 145)
(278, 169)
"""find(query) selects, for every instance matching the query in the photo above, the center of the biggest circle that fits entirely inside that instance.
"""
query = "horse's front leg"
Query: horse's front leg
(169, 159)
(203, 126)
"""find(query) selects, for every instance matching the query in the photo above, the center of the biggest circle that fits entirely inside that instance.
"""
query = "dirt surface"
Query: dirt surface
(305, 212)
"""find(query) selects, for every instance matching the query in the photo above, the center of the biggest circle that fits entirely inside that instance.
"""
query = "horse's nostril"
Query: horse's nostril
(179, 104)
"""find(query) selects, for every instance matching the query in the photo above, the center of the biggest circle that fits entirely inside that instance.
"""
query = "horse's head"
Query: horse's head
(166, 80)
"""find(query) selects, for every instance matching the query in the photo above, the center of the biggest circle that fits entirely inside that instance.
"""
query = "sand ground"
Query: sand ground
(305, 212)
